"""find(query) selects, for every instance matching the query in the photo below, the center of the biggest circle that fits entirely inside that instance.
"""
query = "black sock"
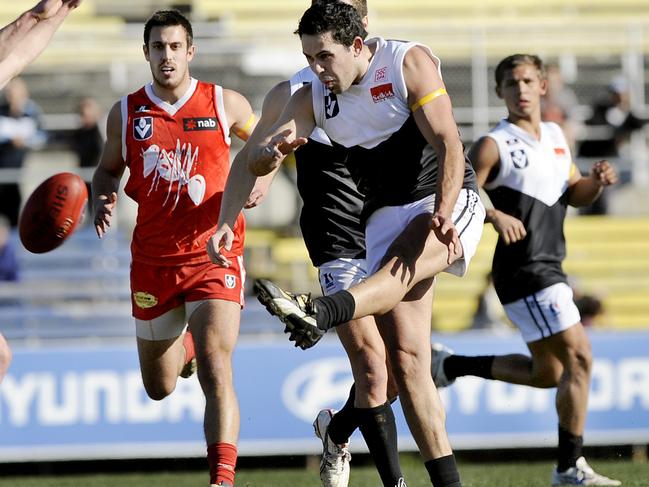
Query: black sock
(334, 310)
(443, 472)
(345, 421)
(570, 446)
(380, 432)
(460, 365)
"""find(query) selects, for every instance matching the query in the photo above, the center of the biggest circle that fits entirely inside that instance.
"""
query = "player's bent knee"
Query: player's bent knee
(547, 377)
(158, 389)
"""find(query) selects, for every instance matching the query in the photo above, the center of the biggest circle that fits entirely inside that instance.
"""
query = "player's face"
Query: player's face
(522, 89)
(169, 55)
(333, 63)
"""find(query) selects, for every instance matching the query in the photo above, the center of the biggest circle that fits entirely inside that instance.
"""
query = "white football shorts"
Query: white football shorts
(388, 222)
(544, 313)
(340, 274)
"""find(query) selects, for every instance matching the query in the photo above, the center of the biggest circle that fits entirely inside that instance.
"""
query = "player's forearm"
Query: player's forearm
(11, 34)
(584, 192)
(451, 177)
(237, 189)
(104, 183)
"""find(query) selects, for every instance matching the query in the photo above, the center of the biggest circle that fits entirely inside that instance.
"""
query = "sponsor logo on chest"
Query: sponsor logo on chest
(200, 123)
(382, 92)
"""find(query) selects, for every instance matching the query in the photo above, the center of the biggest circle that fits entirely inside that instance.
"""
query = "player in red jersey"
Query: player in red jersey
(174, 136)
(21, 42)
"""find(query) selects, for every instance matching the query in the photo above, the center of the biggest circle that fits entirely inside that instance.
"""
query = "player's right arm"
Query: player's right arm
(105, 180)
(262, 155)
(26, 37)
(486, 161)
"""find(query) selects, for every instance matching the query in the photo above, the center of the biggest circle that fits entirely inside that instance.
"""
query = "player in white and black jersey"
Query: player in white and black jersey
(525, 167)
(384, 101)
(334, 236)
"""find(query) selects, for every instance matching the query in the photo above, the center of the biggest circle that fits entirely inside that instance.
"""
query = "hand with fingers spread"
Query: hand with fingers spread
(446, 233)
(509, 228)
(270, 156)
(104, 207)
(221, 240)
(603, 173)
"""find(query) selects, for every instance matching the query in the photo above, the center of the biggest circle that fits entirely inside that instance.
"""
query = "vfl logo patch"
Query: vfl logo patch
(382, 92)
(555, 309)
(519, 158)
(144, 300)
(230, 281)
(331, 105)
(142, 109)
(560, 151)
(380, 74)
(143, 128)
(200, 123)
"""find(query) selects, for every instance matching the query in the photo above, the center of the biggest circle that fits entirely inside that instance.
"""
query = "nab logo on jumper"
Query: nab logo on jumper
(382, 92)
(200, 123)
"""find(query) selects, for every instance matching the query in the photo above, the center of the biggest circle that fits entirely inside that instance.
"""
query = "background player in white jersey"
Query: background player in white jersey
(334, 236)
(174, 136)
(526, 169)
(385, 102)
(21, 42)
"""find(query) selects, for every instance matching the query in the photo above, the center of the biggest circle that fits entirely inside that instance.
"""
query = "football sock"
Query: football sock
(570, 446)
(345, 421)
(222, 459)
(443, 472)
(380, 432)
(334, 310)
(460, 365)
(188, 344)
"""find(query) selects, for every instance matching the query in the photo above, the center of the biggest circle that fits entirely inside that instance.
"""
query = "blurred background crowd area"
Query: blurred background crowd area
(52, 119)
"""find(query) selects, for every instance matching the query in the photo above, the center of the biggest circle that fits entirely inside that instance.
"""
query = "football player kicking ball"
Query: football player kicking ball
(174, 136)
(385, 102)
(334, 236)
(525, 167)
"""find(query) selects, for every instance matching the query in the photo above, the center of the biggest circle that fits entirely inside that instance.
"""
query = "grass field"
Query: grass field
(532, 474)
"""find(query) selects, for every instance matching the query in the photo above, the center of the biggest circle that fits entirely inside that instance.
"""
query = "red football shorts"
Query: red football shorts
(158, 289)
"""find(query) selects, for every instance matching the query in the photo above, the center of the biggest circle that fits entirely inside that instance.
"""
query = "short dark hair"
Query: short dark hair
(341, 19)
(510, 62)
(360, 5)
(164, 18)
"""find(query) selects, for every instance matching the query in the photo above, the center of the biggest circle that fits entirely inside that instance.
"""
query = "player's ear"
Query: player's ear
(357, 45)
(499, 92)
(544, 86)
(145, 49)
(191, 51)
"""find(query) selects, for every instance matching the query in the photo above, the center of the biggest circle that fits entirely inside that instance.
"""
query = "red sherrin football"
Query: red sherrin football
(52, 212)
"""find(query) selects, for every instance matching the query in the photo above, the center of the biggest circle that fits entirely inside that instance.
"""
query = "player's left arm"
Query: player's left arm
(584, 190)
(431, 107)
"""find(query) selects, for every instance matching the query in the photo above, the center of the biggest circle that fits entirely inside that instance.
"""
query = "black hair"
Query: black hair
(341, 19)
(164, 18)
(360, 5)
(510, 62)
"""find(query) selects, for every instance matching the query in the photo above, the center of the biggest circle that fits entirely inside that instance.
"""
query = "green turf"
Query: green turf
(473, 475)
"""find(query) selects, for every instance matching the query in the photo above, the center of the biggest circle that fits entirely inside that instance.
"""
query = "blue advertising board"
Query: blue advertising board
(81, 401)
